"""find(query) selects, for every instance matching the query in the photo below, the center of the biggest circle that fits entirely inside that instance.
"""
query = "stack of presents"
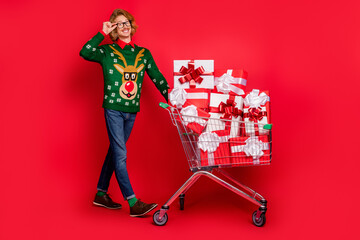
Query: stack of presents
(227, 120)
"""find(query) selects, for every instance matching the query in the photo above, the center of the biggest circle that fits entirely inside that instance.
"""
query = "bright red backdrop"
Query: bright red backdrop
(53, 138)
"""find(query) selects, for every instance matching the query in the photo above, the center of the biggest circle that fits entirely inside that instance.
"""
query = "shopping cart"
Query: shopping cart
(213, 144)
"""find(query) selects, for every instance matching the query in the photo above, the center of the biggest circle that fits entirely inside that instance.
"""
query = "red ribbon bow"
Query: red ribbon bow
(228, 109)
(192, 75)
(255, 114)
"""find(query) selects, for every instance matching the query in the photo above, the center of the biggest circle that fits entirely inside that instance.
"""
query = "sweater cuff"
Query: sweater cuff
(103, 33)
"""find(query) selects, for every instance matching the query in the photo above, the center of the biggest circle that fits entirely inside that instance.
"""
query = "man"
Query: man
(124, 65)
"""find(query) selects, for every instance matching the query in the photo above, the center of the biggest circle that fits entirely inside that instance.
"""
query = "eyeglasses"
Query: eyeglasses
(130, 76)
(122, 24)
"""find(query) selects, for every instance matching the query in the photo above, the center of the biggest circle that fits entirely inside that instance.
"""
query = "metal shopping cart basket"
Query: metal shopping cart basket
(213, 144)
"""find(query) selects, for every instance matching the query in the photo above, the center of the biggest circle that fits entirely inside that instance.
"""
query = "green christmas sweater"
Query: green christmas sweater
(124, 71)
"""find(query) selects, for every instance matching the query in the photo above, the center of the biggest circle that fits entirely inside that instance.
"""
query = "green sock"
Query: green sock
(100, 193)
(132, 201)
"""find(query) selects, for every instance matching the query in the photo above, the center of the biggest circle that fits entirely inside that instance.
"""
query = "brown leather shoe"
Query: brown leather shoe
(140, 208)
(106, 201)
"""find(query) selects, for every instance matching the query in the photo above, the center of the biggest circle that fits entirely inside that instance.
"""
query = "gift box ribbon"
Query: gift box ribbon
(227, 109)
(253, 147)
(255, 115)
(254, 99)
(224, 84)
(209, 142)
(177, 97)
(190, 114)
(191, 74)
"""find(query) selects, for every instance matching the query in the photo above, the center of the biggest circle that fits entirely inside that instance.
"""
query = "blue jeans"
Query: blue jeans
(119, 126)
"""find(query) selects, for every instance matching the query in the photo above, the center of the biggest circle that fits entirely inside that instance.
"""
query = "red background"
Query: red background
(53, 138)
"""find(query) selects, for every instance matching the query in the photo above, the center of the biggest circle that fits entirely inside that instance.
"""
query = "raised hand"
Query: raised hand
(108, 27)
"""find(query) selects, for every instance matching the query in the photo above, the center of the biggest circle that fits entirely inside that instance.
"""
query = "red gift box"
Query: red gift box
(195, 96)
(194, 118)
(230, 81)
(256, 113)
(252, 150)
(214, 148)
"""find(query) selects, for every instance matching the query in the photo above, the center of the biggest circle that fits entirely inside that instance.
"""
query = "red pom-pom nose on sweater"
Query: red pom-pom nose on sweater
(129, 86)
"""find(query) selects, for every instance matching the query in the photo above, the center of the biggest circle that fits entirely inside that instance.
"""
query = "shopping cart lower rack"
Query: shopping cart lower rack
(213, 144)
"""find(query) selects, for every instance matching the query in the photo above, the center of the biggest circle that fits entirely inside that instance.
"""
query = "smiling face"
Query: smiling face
(124, 28)
(120, 16)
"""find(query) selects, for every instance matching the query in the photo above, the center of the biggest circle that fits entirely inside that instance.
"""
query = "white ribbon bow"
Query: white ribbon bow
(177, 97)
(254, 99)
(190, 114)
(224, 84)
(209, 141)
(254, 147)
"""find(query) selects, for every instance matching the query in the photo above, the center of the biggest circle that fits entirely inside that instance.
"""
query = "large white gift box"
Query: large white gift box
(194, 74)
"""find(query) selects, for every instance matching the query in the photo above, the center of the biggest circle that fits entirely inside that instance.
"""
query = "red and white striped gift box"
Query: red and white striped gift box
(252, 150)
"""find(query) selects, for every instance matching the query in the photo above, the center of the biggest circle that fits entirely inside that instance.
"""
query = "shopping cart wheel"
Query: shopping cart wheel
(182, 199)
(260, 221)
(160, 222)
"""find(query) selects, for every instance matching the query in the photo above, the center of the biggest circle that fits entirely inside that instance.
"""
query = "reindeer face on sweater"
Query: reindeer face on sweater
(129, 88)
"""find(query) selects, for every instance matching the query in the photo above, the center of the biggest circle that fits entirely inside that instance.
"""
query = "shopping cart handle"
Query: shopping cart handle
(163, 105)
(268, 126)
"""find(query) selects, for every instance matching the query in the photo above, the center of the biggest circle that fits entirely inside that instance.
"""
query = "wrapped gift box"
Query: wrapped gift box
(251, 150)
(256, 113)
(230, 81)
(216, 123)
(226, 112)
(214, 148)
(194, 118)
(199, 97)
(194, 74)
